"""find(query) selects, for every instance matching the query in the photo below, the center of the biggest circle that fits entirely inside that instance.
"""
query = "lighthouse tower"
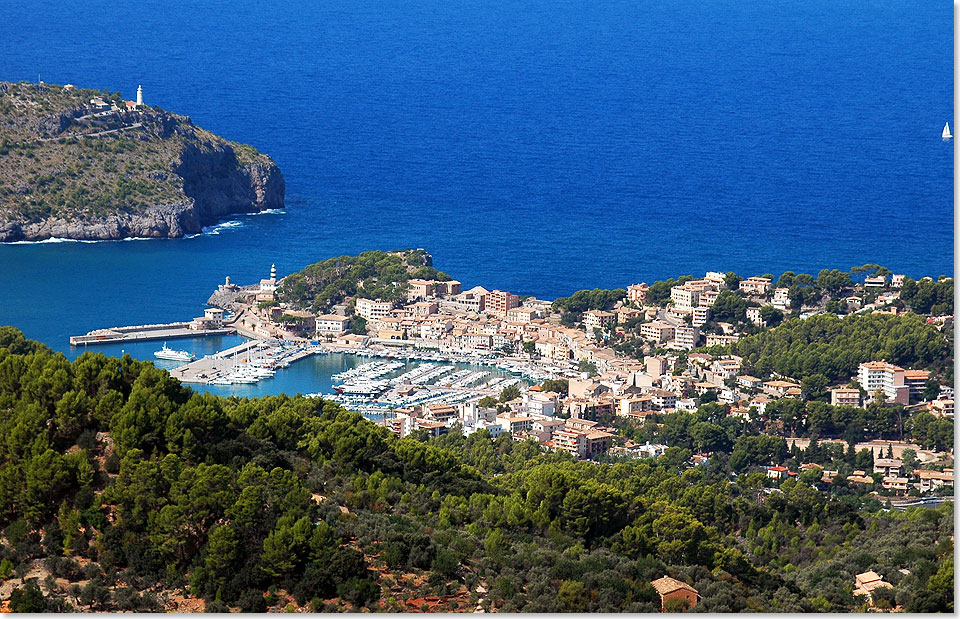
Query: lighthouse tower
(139, 95)
(273, 272)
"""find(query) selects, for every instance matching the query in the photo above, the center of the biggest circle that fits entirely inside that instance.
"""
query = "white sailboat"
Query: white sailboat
(946, 131)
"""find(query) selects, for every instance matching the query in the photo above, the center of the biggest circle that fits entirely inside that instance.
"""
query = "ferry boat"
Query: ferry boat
(173, 355)
(362, 389)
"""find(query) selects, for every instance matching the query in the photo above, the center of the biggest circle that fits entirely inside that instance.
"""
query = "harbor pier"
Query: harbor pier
(248, 362)
(145, 333)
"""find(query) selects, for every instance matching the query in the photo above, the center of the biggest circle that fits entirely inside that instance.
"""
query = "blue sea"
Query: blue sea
(538, 146)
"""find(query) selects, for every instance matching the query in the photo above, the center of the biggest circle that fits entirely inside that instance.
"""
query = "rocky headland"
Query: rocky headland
(87, 165)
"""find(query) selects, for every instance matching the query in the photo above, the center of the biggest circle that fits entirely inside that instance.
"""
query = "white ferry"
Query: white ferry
(173, 355)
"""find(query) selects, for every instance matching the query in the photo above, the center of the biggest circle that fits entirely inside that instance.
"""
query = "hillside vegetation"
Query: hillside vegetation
(370, 275)
(124, 490)
(835, 346)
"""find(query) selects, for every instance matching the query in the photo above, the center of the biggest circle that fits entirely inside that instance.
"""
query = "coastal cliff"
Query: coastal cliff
(87, 165)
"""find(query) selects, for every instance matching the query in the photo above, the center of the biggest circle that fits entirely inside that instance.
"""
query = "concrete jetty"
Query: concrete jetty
(144, 333)
(224, 365)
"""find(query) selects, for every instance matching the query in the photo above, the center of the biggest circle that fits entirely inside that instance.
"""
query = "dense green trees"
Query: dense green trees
(834, 347)
(557, 385)
(928, 296)
(111, 460)
(371, 275)
(729, 307)
(571, 308)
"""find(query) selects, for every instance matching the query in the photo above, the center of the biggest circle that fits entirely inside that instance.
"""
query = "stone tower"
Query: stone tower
(139, 95)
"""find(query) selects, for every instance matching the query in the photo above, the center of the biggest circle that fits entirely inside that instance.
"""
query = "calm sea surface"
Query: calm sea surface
(540, 147)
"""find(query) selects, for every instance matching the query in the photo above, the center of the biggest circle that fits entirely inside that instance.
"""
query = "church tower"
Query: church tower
(139, 95)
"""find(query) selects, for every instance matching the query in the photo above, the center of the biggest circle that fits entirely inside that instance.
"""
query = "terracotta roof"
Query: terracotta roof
(666, 585)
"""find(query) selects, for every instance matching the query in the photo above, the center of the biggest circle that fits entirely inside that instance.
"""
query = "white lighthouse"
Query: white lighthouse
(139, 95)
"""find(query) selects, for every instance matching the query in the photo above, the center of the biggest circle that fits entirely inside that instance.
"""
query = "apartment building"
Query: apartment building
(637, 293)
(636, 406)
(658, 331)
(886, 378)
(499, 302)
(916, 380)
(708, 298)
(514, 423)
(942, 407)
(370, 309)
(931, 480)
(715, 339)
(756, 285)
(781, 298)
(540, 404)
(571, 441)
(843, 396)
(686, 337)
(422, 289)
(656, 366)
(423, 308)
(597, 319)
(700, 315)
(685, 297)
(473, 300)
(662, 399)
(590, 408)
(523, 315)
(888, 467)
(332, 324)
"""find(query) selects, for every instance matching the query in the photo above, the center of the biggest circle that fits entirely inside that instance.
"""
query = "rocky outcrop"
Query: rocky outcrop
(232, 297)
(219, 185)
(166, 178)
(162, 221)
(215, 184)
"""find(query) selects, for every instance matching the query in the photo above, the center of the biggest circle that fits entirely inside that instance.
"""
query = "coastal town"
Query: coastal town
(566, 383)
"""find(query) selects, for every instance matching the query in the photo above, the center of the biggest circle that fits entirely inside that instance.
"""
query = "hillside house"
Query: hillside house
(673, 589)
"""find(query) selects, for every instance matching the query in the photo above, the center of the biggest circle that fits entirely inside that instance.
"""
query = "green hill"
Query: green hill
(121, 489)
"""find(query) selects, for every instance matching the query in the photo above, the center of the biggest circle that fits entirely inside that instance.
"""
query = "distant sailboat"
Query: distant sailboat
(946, 131)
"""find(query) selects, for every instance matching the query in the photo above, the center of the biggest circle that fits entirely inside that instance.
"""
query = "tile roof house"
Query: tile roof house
(868, 582)
(673, 589)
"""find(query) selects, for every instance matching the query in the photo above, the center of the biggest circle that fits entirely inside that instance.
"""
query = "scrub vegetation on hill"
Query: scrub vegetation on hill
(128, 490)
(370, 275)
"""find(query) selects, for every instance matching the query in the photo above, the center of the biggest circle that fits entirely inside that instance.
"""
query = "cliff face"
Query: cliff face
(74, 173)
(214, 189)
(220, 185)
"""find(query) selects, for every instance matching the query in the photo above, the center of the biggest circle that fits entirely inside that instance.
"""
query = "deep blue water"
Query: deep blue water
(541, 147)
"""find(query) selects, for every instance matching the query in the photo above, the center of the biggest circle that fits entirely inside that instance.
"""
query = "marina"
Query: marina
(246, 363)
(369, 389)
